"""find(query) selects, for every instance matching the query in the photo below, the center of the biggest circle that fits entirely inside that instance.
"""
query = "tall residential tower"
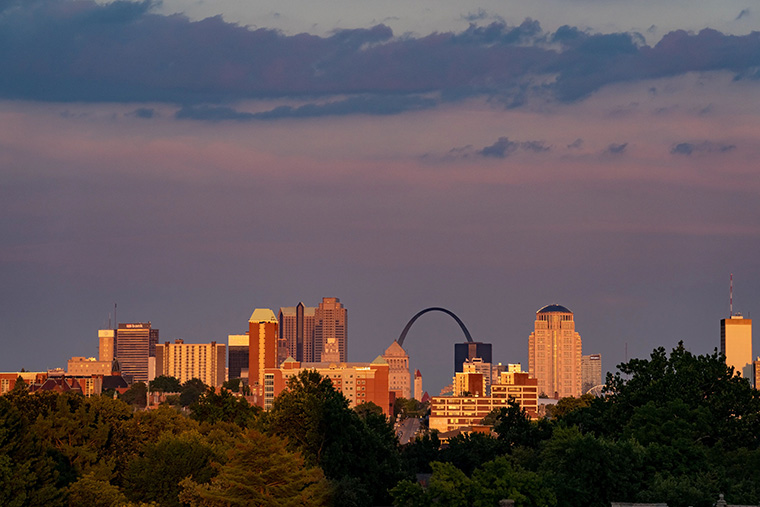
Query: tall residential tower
(736, 344)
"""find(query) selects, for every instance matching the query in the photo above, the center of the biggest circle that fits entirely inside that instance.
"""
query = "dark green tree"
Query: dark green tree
(166, 384)
(155, 476)
(136, 395)
(224, 406)
(191, 391)
(361, 455)
(260, 471)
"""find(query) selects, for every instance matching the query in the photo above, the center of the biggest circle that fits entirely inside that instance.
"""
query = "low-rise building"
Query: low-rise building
(449, 413)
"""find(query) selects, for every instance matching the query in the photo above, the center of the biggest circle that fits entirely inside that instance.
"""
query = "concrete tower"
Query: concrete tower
(554, 352)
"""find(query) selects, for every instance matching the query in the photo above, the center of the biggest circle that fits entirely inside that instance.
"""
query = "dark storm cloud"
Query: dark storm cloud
(374, 105)
(701, 147)
(616, 149)
(78, 50)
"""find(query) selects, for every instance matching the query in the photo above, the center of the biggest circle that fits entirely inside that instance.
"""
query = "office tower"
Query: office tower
(591, 372)
(398, 364)
(185, 361)
(756, 370)
(477, 365)
(469, 384)
(736, 344)
(262, 354)
(554, 353)
(418, 392)
(297, 331)
(237, 353)
(106, 344)
(136, 350)
(330, 321)
(470, 350)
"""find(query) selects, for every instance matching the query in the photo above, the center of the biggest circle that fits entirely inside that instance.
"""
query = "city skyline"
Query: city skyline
(487, 157)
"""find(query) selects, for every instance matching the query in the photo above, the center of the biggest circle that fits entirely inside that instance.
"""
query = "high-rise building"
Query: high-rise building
(477, 365)
(237, 356)
(330, 321)
(184, 361)
(398, 373)
(756, 370)
(591, 372)
(106, 344)
(736, 344)
(136, 350)
(418, 392)
(87, 366)
(262, 354)
(297, 332)
(554, 352)
(470, 350)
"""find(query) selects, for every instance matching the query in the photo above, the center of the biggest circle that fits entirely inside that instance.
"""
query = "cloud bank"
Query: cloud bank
(79, 50)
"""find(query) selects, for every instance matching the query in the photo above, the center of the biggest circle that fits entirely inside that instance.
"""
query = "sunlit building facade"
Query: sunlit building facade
(331, 321)
(736, 344)
(184, 361)
(263, 335)
(136, 350)
(554, 353)
(399, 375)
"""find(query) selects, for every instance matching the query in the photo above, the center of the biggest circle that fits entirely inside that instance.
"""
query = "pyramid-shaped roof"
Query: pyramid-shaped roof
(395, 350)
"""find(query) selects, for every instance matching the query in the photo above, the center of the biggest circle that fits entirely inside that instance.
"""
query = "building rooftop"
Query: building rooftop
(554, 308)
(262, 315)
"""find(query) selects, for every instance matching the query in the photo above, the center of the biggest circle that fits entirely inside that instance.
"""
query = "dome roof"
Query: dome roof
(554, 309)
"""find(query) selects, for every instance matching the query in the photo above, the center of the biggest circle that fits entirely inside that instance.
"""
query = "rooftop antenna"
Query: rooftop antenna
(731, 296)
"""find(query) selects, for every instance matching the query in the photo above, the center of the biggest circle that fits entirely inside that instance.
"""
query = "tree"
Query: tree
(260, 471)
(501, 479)
(359, 455)
(515, 428)
(95, 493)
(136, 395)
(212, 407)
(166, 384)
(155, 476)
(20, 384)
(191, 391)
(232, 384)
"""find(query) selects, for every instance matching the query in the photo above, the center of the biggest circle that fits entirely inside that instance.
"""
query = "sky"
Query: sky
(190, 161)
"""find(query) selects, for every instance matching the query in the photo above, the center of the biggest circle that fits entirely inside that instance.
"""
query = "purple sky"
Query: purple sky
(192, 170)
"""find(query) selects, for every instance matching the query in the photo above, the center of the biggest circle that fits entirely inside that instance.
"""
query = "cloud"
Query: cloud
(144, 112)
(503, 148)
(373, 105)
(578, 143)
(616, 149)
(81, 50)
(687, 148)
(743, 14)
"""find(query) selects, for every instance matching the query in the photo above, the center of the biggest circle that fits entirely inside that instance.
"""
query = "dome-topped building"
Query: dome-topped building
(555, 351)
(554, 308)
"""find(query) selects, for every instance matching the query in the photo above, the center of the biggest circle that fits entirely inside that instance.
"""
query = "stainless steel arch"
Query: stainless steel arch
(434, 309)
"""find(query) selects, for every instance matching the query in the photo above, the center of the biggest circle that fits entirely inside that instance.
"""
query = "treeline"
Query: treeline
(674, 428)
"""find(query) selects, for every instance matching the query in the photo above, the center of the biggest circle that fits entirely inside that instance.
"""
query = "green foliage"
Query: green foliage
(567, 405)
(95, 493)
(136, 395)
(367, 408)
(501, 479)
(20, 385)
(418, 455)
(166, 384)
(469, 451)
(359, 454)
(155, 476)
(409, 407)
(233, 384)
(191, 391)
(212, 407)
(260, 471)
(515, 428)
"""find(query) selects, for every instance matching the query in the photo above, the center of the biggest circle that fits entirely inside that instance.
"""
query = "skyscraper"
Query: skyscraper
(736, 344)
(237, 353)
(591, 371)
(470, 350)
(297, 332)
(136, 350)
(262, 335)
(554, 352)
(331, 321)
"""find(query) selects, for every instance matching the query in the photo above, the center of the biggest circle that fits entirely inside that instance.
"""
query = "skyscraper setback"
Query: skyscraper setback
(554, 352)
